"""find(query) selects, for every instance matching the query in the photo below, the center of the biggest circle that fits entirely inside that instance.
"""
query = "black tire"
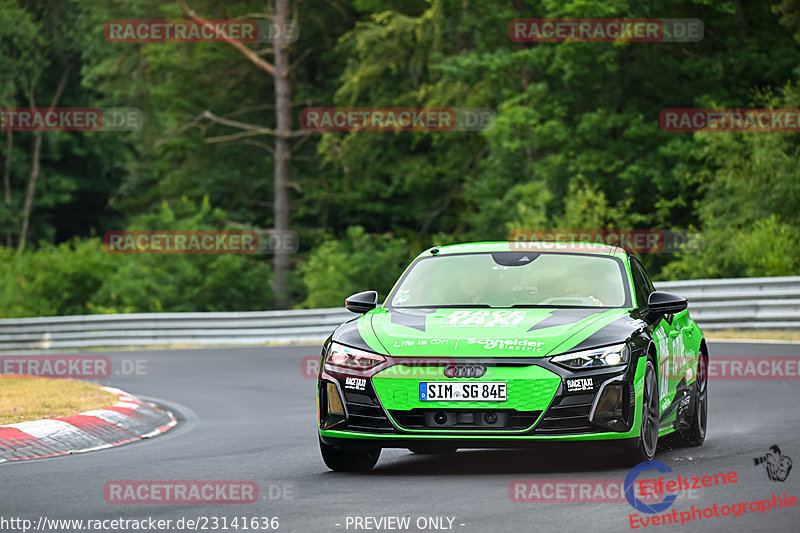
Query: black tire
(442, 450)
(695, 434)
(644, 447)
(349, 460)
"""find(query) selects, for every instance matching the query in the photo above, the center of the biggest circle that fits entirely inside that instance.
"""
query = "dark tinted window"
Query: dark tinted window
(641, 283)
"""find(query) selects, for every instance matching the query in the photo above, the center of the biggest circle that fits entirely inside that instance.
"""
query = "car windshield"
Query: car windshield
(512, 279)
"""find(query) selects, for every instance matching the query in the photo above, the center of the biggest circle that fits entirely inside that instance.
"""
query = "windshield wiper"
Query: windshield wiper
(443, 306)
(548, 306)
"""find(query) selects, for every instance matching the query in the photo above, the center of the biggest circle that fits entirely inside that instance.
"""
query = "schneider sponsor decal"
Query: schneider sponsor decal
(509, 344)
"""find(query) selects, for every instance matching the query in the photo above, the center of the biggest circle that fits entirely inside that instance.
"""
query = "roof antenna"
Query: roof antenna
(434, 250)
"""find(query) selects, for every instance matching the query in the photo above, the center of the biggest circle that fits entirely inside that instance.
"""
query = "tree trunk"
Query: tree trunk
(27, 207)
(283, 134)
(7, 180)
(283, 154)
(30, 190)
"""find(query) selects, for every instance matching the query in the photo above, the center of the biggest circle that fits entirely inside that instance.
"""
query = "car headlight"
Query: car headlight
(616, 355)
(343, 358)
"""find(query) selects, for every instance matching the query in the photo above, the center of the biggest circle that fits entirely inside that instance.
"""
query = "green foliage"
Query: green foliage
(191, 282)
(81, 276)
(576, 144)
(358, 262)
(766, 247)
(751, 212)
(53, 280)
(21, 49)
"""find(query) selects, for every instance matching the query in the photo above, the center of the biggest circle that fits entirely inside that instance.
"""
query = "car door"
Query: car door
(685, 346)
(664, 332)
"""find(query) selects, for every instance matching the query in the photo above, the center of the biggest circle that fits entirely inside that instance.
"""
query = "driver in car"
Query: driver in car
(475, 286)
(583, 287)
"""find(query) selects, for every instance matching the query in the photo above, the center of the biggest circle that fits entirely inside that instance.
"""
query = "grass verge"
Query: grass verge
(756, 335)
(31, 398)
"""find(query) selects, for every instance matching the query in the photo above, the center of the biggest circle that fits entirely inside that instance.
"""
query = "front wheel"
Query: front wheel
(644, 448)
(349, 460)
(695, 434)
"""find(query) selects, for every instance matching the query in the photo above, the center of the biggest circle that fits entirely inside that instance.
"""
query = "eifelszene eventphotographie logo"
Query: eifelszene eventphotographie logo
(777, 466)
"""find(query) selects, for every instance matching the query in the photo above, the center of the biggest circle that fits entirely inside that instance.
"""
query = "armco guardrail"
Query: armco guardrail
(746, 303)
(158, 329)
(765, 303)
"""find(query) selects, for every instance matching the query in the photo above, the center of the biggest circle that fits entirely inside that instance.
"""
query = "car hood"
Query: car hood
(477, 332)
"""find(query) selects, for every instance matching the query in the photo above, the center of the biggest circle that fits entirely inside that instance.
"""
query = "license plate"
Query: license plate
(463, 391)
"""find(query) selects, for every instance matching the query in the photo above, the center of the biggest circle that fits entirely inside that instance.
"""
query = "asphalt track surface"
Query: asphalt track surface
(249, 414)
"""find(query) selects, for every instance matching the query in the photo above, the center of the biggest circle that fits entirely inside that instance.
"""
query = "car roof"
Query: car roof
(529, 246)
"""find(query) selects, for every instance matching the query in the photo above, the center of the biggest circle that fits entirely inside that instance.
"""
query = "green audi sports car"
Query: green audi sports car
(520, 344)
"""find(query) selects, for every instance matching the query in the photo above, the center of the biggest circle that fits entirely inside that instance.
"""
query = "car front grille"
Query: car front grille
(569, 416)
(465, 419)
(365, 414)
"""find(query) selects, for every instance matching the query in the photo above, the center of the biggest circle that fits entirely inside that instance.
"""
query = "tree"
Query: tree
(283, 134)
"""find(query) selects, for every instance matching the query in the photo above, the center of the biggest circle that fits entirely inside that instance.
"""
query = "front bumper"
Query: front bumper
(385, 410)
(597, 442)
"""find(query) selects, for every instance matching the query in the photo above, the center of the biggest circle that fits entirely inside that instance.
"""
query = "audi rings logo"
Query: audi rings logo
(464, 371)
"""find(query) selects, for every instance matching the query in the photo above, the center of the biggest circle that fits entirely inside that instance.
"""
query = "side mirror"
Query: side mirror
(662, 303)
(362, 302)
